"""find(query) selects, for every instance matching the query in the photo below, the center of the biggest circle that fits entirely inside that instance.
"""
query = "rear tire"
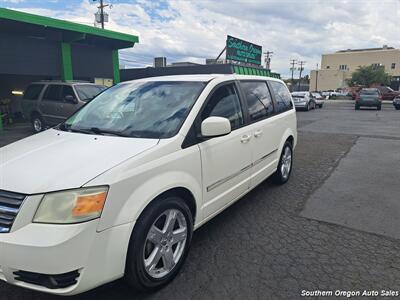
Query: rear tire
(397, 107)
(282, 174)
(379, 107)
(37, 122)
(153, 259)
(307, 107)
(357, 107)
(320, 105)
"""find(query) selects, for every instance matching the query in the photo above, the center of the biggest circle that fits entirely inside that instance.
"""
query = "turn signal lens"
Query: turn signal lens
(89, 204)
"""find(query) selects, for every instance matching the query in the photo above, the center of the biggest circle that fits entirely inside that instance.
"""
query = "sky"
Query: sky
(195, 30)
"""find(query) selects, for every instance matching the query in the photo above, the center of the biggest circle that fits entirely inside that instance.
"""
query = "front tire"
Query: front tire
(379, 107)
(159, 244)
(38, 124)
(284, 170)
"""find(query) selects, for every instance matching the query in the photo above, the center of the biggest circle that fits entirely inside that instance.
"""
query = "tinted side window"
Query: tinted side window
(53, 93)
(67, 91)
(282, 96)
(225, 103)
(33, 92)
(258, 99)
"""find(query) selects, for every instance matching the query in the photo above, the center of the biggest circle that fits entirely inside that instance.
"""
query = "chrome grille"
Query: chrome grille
(10, 203)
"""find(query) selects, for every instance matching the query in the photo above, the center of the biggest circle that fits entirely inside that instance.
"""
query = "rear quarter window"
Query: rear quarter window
(33, 92)
(282, 96)
(258, 99)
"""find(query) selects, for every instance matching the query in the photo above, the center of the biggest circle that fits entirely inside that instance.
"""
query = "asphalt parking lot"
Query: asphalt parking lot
(334, 225)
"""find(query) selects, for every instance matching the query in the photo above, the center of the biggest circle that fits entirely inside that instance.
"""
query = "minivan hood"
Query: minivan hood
(56, 160)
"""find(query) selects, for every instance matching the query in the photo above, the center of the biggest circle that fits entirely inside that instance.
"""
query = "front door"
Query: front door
(226, 160)
(67, 106)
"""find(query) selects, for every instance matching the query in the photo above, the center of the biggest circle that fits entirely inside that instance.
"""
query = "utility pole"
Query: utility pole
(292, 63)
(268, 55)
(316, 79)
(301, 63)
(101, 14)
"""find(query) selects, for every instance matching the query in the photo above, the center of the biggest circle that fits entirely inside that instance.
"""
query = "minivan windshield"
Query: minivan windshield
(137, 109)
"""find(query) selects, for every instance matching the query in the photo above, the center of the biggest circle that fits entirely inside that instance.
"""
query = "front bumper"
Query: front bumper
(49, 249)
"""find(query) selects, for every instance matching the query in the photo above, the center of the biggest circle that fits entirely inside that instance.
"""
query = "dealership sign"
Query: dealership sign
(239, 50)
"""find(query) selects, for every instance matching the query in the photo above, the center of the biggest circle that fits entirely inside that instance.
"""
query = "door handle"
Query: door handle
(258, 133)
(245, 138)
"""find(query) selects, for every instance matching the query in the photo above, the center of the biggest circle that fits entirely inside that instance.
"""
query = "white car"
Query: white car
(117, 190)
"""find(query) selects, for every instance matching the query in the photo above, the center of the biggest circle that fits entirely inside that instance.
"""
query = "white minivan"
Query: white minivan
(117, 189)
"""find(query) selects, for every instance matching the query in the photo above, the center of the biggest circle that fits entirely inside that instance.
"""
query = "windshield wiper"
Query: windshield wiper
(94, 130)
(99, 131)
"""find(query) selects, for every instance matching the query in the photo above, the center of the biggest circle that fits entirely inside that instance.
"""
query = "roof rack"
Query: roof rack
(66, 81)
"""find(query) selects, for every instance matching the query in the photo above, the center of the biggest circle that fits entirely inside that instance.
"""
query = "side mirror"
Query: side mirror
(215, 126)
(70, 99)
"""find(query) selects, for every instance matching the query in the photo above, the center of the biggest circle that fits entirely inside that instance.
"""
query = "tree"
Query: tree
(368, 76)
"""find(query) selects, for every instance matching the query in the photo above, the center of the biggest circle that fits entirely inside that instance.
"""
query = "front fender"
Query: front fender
(151, 189)
(133, 186)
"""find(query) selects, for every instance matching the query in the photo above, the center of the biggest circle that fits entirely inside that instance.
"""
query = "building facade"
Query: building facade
(337, 68)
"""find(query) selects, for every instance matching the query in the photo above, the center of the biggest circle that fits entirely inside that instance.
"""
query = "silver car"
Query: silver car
(303, 100)
(48, 103)
(319, 99)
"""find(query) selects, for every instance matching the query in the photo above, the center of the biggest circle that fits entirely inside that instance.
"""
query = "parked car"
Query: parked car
(370, 97)
(396, 102)
(118, 188)
(49, 103)
(325, 94)
(304, 100)
(318, 98)
(387, 92)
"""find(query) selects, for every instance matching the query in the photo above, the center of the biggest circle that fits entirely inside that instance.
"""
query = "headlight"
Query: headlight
(73, 206)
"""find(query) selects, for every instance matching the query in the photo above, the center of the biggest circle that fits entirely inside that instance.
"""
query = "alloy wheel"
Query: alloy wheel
(286, 163)
(37, 125)
(165, 243)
